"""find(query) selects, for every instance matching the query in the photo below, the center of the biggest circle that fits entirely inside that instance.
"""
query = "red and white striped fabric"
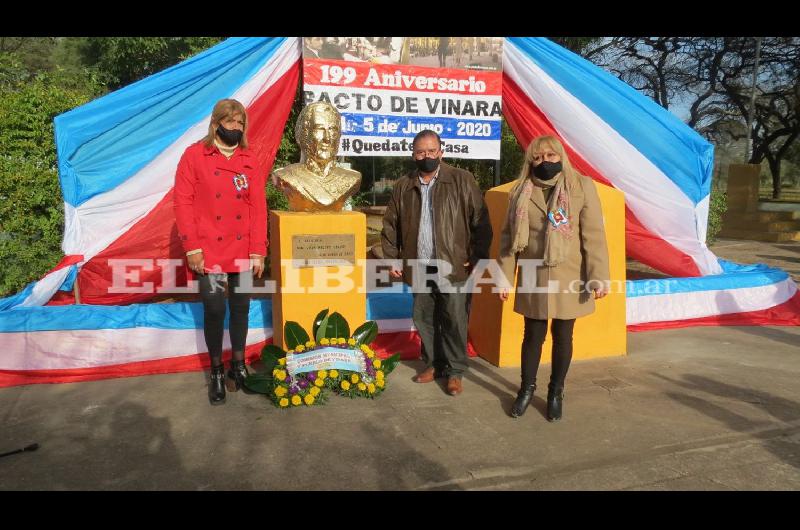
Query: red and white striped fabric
(117, 160)
(623, 139)
(118, 156)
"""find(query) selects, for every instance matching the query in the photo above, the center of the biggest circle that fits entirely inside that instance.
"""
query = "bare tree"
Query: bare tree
(576, 44)
(776, 123)
(726, 67)
(714, 76)
(653, 65)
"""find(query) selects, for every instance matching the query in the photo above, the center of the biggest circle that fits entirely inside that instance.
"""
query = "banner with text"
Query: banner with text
(390, 88)
(326, 359)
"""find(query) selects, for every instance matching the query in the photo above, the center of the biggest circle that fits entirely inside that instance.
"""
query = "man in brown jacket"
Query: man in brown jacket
(437, 218)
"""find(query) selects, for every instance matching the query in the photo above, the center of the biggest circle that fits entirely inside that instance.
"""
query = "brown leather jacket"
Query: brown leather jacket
(462, 229)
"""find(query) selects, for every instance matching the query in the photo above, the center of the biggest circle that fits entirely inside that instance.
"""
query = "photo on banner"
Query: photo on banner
(390, 88)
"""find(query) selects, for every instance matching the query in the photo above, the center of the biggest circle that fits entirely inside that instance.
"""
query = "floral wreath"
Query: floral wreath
(312, 387)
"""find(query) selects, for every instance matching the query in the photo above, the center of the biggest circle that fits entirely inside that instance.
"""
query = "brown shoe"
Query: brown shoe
(427, 376)
(454, 387)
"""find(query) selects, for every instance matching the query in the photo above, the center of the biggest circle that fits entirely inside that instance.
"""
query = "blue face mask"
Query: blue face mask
(547, 170)
(229, 137)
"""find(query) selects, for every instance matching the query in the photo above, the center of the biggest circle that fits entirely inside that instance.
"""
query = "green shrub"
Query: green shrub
(361, 199)
(716, 209)
(276, 200)
(31, 205)
(31, 222)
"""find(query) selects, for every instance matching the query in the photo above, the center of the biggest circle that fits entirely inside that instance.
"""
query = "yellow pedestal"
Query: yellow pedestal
(496, 330)
(302, 307)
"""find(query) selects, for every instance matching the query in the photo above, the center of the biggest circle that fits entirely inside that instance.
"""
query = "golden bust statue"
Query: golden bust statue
(317, 184)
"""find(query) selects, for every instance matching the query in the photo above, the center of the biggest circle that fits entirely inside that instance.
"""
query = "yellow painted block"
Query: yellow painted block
(304, 305)
(496, 330)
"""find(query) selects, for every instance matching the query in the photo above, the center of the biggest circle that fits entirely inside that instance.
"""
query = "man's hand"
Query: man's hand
(196, 263)
(396, 273)
(257, 265)
(503, 294)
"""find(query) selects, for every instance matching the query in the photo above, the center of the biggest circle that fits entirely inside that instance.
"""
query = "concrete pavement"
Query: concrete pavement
(714, 408)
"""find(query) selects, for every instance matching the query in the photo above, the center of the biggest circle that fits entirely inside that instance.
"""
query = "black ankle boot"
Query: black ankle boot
(236, 376)
(524, 397)
(555, 403)
(216, 387)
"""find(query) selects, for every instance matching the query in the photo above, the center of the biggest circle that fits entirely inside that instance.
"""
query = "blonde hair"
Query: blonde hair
(537, 145)
(226, 108)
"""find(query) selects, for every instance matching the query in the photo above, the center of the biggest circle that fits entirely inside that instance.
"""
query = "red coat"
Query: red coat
(212, 214)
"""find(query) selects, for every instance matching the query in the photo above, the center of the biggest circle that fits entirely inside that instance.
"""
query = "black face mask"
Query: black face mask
(229, 137)
(547, 170)
(427, 165)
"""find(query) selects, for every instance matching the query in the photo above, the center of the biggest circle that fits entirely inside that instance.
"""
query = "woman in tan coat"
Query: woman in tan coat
(554, 232)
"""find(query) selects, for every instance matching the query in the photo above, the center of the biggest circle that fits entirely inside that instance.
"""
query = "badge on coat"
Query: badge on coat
(240, 182)
(558, 218)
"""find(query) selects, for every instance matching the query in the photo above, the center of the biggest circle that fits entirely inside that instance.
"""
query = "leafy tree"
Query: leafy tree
(34, 53)
(39, 79)
(511, 154)
(31, 205)
(128, 59)
(12, 71)
(288, 150)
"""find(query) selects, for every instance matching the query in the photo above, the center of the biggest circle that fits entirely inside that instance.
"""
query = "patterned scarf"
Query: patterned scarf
(559, 222)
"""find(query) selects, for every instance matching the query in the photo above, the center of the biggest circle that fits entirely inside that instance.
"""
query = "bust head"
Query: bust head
(317, 183)
(317, 131)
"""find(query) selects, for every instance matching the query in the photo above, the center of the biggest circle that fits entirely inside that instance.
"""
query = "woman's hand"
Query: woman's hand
(600, 293)
(257, 265)
(503, 294)
(196, 263)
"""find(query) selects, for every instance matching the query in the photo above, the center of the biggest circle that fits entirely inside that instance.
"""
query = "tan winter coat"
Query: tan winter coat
(587, 257)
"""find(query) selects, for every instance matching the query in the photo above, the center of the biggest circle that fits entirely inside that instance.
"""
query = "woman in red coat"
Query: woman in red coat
(221, 213)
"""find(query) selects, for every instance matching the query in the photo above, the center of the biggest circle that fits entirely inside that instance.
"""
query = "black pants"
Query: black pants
(212, 290)
(441, 320)
(535, 332)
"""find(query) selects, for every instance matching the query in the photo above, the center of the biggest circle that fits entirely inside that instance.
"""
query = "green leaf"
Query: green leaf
(318, 321)
(366, 332)
(270, 355)
(337, 327)
(390, 363)
(273, 351)
(269, 363)
(294, 335)
(259, 383)
(322, 329)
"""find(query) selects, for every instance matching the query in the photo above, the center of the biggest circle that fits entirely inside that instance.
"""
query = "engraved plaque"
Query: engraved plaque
(322, 250)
